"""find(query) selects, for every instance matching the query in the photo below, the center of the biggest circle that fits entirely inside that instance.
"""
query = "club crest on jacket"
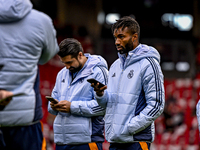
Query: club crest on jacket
(130, 74)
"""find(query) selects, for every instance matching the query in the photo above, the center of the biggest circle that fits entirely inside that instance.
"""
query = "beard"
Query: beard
(128, 47)
(75, 69)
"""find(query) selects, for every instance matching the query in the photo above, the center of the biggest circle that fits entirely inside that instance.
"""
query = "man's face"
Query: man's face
(70, 63)
(123, 40)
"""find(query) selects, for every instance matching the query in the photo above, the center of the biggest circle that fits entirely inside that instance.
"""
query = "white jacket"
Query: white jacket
(84, 123)
(134, 97)
(27, 38)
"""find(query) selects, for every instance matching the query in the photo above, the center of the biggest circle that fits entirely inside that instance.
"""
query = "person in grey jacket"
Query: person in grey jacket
(134, 96)
(79, 120)
(28, 39)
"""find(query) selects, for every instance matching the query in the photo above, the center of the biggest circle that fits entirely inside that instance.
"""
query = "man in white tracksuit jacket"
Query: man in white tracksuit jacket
(135, 92)
(79, 120)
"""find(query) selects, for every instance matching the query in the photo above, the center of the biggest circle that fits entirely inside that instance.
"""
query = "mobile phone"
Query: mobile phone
(7, 98)
(1, 66)
(51, 99)
(92, 80)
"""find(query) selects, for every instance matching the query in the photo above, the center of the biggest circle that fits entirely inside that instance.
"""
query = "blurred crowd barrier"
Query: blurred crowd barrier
(176, 128)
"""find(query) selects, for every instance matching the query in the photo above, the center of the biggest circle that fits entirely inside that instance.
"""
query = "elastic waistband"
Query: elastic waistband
(28, 124)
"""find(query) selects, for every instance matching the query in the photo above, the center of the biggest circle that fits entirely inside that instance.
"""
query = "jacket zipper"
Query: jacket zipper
(64, 117)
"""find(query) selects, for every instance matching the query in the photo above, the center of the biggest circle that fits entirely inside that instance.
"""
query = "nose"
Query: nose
(117, 42)
(67, 66)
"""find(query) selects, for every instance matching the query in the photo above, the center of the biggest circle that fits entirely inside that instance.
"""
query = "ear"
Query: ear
(134, 37)
(80, 54)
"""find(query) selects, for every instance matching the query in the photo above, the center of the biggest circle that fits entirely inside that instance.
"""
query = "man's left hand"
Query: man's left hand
(62, 106)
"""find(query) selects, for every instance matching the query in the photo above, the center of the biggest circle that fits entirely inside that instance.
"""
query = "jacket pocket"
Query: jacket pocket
(77, 125)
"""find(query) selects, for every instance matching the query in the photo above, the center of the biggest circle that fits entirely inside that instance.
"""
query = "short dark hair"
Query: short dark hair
(129, 22)
(70, 46)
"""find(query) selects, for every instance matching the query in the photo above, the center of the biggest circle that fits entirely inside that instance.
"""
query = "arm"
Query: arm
(152, 82)
(50, 48)
(102, 100)
(92, 107)
(54, 94)
(87, 108)
(100, 93)
(81, 108)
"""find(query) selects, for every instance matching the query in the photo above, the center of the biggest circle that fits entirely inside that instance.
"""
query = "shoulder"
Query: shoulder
(99, 68)
(115, 63)
(150, 68)
(149, 62)
(62, 72)
(100, 71)
(39, 19)
(39, 14)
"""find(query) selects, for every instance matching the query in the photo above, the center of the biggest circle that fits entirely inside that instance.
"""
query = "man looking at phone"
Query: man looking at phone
(135, 93)
(79, 120)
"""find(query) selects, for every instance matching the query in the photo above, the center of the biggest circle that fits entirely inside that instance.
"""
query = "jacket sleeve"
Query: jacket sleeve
(152, 83)
(102, 100)
(90, 108)
(86, 108)
(54, 94)
(50, 47)
(198, 113)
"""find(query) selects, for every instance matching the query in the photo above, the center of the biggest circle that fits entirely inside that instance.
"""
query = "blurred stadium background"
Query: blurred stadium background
(172, 26)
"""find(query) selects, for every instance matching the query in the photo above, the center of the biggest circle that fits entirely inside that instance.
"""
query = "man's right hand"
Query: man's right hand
(99, 91)
(4, 94)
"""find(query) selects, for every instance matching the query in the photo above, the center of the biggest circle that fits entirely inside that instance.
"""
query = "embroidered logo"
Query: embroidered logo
(63, 80)
(130, 74)
(81, 81)
(113, 75)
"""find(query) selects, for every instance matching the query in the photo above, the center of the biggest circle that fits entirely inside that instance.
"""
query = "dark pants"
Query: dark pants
(130, 146)
(90, 146)
(2, 143)
(21, 138)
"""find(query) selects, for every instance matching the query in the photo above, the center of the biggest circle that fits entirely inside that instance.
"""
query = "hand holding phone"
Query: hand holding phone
(92, 80)
(101, 87)
(7, 96)
(51, 99)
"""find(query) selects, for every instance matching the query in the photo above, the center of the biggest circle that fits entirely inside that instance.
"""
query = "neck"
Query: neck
(84, 61)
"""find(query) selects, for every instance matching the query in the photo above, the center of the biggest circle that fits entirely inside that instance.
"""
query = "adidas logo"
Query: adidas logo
(113, 75)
